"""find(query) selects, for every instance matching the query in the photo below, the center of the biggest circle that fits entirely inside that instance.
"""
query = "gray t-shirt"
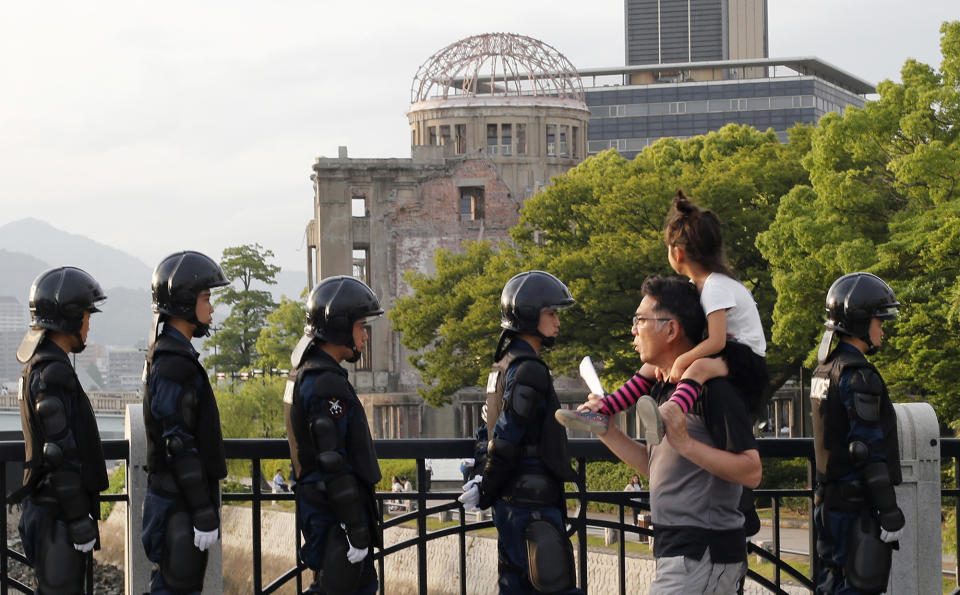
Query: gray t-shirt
(691, 508)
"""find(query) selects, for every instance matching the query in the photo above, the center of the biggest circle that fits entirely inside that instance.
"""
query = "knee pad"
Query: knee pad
(867, 567)
(183, 565)
(549, 557)
(59, 567)
(340, 577)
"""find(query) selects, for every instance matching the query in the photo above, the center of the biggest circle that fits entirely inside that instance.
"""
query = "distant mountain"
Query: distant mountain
(17, 272)
(43, 242)
(29, 246)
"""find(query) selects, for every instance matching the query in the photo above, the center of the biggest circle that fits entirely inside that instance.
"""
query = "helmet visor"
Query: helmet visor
(887, 313)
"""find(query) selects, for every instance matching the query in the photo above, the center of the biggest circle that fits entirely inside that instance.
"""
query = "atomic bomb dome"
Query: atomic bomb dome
(501, 95)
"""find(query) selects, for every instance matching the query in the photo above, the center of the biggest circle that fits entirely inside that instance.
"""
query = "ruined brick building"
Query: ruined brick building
(492, 118)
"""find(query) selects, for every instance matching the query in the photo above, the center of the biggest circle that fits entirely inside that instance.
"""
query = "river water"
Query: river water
(110, 424)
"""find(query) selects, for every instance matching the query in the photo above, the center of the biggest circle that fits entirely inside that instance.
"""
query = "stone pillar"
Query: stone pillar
(137, 576)
(917, 564)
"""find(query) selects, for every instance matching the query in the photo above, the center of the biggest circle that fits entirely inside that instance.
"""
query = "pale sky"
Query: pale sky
(154, 127)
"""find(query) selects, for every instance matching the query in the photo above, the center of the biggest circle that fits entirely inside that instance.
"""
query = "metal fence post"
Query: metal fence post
(917, 565)
(137, 576)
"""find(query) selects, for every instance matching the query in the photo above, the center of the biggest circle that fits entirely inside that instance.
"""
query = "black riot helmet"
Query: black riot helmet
(522, 300)
(333, 307)
(177, 282)
(854, 300)
(58, 299)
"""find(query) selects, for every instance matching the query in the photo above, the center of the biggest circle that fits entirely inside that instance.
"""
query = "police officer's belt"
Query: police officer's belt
(532, 489)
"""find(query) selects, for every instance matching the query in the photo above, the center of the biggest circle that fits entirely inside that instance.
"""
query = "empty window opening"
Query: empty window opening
(506, 139)
(460, 134)
(471, 203)
(492, 139)
(365, 362)
(358, 206)
(361, 264)
(521, 139)
(445, 135)
(551, 140)
(575, 142)
(563, 141)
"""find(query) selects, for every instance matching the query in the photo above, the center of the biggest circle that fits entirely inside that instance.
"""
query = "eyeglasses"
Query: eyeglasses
(636, 320)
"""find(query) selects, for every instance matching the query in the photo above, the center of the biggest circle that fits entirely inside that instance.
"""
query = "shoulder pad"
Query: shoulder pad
(866, 390)
(533, 373)
(866, 380)
(57, 374)
(175, 368)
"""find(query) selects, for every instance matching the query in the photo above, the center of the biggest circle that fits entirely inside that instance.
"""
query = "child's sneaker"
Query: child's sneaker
(649, 414)
(585, 421)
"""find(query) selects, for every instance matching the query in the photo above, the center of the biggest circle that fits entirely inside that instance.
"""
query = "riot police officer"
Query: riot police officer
(64, 471)
(185, 456)
(330, 444)
(527, 460)
(855, 436)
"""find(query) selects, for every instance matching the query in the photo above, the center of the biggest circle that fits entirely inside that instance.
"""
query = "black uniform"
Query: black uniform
(185, 461)
(858, 463)
(66, 444)
(336, 469)
(527, 463)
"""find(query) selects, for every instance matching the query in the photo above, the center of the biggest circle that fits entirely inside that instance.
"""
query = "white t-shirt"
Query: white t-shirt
(721, 292)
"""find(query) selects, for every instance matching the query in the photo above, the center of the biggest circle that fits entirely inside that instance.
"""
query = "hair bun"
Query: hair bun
(683, 204)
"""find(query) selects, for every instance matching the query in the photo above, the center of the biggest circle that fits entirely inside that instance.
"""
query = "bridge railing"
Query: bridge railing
(582, 450)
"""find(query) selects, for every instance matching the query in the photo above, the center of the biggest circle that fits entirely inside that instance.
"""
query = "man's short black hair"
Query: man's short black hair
(680, 299)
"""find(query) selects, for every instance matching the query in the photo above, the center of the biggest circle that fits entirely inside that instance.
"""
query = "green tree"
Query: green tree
(235, 342)
(884, 197)
(252, 409)
(451, 319)
(284, 327)
(599, 229)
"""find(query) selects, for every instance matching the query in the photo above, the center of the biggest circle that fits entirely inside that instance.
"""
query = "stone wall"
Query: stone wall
(400, 569)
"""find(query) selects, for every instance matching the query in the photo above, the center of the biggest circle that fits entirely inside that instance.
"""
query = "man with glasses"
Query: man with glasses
(698, 472)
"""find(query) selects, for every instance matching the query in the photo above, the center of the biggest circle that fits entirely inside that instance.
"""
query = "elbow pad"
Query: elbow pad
(52, 455)
(53, 418)
(325, 436)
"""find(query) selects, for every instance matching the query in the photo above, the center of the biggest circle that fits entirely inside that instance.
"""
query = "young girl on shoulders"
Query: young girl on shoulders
(734, 332)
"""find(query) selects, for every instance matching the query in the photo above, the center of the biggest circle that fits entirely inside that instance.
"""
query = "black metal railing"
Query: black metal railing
(582, 450)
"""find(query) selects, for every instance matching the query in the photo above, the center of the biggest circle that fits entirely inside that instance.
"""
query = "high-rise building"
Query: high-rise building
(14, 318)
(693, 66)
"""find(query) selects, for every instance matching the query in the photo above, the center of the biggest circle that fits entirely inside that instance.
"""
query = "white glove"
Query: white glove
(85, 547)
(204, 539)
(890, 536)
(88, 546)
(471, 493)
(354, 555)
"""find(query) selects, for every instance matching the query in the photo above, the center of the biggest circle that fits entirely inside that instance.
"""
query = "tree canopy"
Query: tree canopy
(884, 197)
(235, 341)
(599, 229)
(283, 328)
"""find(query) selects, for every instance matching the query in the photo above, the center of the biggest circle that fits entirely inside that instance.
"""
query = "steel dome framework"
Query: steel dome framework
(496, 65)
